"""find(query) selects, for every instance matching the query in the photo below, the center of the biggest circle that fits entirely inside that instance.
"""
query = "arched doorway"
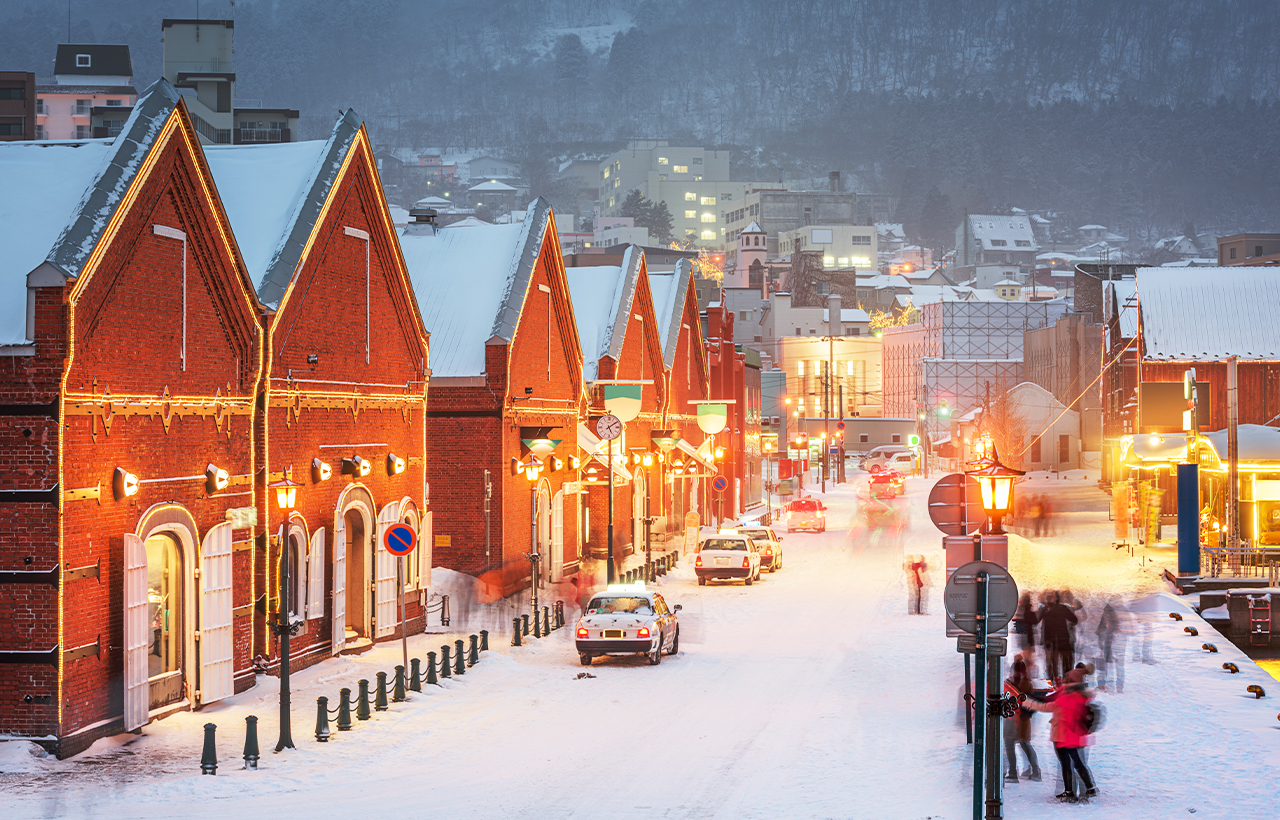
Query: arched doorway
(166, 620)
(353, 533)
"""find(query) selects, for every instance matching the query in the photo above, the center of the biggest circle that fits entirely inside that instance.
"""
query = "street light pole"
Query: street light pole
(610, 572)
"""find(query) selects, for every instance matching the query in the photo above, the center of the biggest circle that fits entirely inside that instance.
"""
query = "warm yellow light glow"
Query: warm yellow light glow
(647, 460)
(395, 464)
(286, 497)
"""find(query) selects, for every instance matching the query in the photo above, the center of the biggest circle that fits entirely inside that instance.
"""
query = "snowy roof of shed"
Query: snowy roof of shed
(600, 296)
(1208, 314)
(273, 195)
(471, 286)
(1257, 443)
(491, 185)
(985, 228)
(59, 197)
(1124, 292)
(847, 315)
(469, 222)
(668, 290)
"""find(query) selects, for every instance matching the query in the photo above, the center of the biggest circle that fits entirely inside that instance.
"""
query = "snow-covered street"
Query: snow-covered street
(812, 694)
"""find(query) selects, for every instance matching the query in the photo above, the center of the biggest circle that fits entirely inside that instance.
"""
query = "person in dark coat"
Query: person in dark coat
(1056, 620)
(1024, 626)
(1017, 729)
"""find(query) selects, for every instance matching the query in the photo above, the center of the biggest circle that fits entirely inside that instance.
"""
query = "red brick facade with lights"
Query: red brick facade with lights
(473, 424)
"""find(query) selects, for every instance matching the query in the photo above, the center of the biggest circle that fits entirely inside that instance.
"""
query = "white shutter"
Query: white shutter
(216, 664)
(426, 540)
(557, 538)
(384, 563)
(315, 576)
(137, 694)
(339, 638)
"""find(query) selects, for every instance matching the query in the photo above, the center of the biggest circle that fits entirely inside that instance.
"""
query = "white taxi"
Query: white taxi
(727, 555)
(627, 619)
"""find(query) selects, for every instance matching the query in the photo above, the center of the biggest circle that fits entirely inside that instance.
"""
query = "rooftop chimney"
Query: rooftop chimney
(834, 176)
(423, 224)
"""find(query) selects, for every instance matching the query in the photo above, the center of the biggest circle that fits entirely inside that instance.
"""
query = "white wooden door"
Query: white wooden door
(557, 538)
(384, 578)
(216, 664)
(315, 576)
(137, 695)
(339, 638)
(426, 540)
(637, 512)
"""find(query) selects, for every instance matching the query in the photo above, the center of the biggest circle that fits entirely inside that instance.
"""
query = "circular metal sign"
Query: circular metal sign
(400, 539)
(961, 596)
(609, 427)
(720, 484)
(839, 425)
(955, 505)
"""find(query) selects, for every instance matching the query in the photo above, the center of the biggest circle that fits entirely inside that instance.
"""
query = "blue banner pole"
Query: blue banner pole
(1188, 520)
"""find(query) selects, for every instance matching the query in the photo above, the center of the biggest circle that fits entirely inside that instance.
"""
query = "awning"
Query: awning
(597, 450)
(704, 461)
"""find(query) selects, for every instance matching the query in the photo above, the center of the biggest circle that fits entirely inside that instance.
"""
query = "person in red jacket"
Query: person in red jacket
(1069, 704)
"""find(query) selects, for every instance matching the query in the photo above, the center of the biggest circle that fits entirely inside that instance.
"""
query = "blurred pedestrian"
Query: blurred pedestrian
(1110, 655)
(1024, 626)
(1046, 515)
(917, 570)
(1069, 731)
(1055, 623)
(1037, 514)
(1017, 729)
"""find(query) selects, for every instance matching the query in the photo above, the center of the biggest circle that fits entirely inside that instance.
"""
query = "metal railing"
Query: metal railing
(248, 135)
(81, 110)
(1244, 560)
(218, 136)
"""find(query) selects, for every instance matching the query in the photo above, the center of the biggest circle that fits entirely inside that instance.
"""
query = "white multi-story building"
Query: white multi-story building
(92, 94)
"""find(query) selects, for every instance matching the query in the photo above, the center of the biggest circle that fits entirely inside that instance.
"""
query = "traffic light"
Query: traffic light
(913, 440)
(943, 410)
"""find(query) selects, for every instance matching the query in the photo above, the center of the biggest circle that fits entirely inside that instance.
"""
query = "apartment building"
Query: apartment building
(842, 246)
(91, 96)
(17, 106)
(776, 210)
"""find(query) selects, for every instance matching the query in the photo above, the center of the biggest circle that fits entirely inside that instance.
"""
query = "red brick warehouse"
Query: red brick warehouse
(506, 366)
(127, 434)
(622, 350)
(344, 394)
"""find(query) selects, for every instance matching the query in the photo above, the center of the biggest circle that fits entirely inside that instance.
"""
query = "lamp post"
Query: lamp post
(995, 480)
(530, 469)
(286, 496)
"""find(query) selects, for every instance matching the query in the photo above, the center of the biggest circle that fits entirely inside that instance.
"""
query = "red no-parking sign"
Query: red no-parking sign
(400, 539)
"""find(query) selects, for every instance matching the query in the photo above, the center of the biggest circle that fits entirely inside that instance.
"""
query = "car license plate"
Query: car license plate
(613, 633)
(722, 561)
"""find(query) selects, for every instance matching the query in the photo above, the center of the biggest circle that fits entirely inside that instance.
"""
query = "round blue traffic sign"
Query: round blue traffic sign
(720, 484)
(400, 539)
(839, 425)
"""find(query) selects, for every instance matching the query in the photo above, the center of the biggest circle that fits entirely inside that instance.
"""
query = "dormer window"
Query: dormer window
(82, 61)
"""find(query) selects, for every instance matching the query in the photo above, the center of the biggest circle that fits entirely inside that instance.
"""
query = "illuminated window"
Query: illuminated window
(608, 172)
(611, 201)
(680, 169)
(690, 232)
(697, 178)
(860, 261)
(697, 160)
(849, 366)
(708, 200)
(844, 261)
(708, 234)
(690, 196)
(662, 160)
(617, 183)
(828, 260)
(799, 364)
(690, 214)
(708, 217)
(662, 177)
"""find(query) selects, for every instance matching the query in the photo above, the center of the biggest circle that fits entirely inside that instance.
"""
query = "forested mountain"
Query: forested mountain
(1134, 113)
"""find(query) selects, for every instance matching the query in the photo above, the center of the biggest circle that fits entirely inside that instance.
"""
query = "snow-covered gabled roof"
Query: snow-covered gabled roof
(491, 186)
(602, 300)
(273, 195)
(469, 222)
(60, 196)
(1121, 301)
(1008, 228)
(754, 227)
(847, 315)
(1208, 314)
(1007, 283)
(1257, 443)
(471, 286)
(669, 290)
(432, 202)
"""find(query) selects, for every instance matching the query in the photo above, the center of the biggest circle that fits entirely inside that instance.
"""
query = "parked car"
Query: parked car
(727, 555)
(627, 619)
(806, 514)
(879, 458)
(769, 544)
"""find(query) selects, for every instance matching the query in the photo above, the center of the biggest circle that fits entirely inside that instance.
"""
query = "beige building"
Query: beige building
(842, 246)
(92, 94)
(855, 363)
(693, 182)
(776, 210)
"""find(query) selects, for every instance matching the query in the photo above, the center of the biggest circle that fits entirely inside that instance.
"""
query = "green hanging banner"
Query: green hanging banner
(712, 418)
(623, 400)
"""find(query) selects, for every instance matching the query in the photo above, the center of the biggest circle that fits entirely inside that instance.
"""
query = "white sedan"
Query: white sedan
(627, 619)
(727, 555)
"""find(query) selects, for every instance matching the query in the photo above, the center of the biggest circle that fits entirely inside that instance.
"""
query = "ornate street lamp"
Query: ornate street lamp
(996, 482)
(285, 492)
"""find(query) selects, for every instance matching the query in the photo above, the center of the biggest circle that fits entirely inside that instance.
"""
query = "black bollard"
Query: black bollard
(431, 670)
(251, 742)
(559, 614)
(473, 653)
(362, 705)
(322, 719)
(446, 665)
(397, 688)
(344, 710)
(380, 699)
(444, 610)
(537, 624)
(515, 631)
(209, 760)
(415, 675)
(484, 640)
(460, 658)
(546, 620)
(524, 619)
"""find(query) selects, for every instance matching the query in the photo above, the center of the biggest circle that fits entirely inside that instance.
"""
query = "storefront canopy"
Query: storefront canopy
(597, 449)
